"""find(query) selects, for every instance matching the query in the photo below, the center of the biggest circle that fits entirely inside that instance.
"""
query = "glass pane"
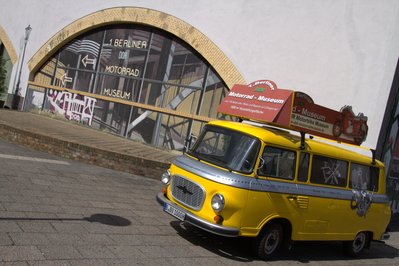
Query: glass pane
(158, 58)
(122, 62)
(328, 171)
(226, 148)
(361, 177)
(170, 97)
(172, 62)
(71, 106)
(46, 72)
(142, 125)
(215, 91)
(278, 163)
(187, 68)
(34, 98)
(118, 87)
(172, 133)
(77, 80)
(82, 52)
(159, 129)
(111, 117)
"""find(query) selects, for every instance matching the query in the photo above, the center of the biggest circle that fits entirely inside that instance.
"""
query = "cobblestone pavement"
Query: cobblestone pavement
(60, 212)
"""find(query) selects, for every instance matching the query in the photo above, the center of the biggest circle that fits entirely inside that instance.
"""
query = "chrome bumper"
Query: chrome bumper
(198, 222)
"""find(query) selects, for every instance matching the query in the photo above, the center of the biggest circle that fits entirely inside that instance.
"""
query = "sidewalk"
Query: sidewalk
(77, 142)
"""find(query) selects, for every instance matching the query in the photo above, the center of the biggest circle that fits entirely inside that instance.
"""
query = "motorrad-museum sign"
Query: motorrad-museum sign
(263, 101)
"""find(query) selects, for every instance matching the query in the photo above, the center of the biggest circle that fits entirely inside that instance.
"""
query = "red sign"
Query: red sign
(263, 101)
(318, 120)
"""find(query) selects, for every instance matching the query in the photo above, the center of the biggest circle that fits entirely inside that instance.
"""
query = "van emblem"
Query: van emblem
(184, 190)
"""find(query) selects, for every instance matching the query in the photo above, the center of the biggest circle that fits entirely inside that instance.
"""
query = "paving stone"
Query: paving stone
(5, 240)
(20, 253)
(127, 251)
(29, 239)
(64, 239)
(9, 226)
(59, 252)
(36, 226)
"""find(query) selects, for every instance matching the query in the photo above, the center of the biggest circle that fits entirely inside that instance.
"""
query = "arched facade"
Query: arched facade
(8, 58)
(5, 40)
(194, 38)
(135, 72)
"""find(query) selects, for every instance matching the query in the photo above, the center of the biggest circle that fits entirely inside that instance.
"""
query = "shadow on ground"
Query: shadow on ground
(240, 249)
(107, 219)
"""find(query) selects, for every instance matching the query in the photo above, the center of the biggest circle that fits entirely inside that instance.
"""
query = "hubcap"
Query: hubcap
(271, 241)
(359, 242)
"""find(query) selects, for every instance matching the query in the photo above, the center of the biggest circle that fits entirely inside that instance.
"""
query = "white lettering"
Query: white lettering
(270, 100)
(126, 71)
(129, 43)
(117, 93)
(239, 95)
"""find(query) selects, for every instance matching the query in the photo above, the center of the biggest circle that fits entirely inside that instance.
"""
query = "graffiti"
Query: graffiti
(72, 106)
(331, 173)
(361, 200)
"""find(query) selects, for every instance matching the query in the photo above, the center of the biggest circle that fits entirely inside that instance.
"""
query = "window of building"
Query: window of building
(5, 72)
(132, 63)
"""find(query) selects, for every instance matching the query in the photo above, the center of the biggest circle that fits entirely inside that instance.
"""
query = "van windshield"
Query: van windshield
(226, 148)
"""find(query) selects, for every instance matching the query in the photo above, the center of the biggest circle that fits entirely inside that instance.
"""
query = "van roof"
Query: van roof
(285, 138)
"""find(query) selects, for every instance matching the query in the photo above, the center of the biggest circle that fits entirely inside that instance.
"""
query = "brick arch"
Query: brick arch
(8, 45)
(198, 41)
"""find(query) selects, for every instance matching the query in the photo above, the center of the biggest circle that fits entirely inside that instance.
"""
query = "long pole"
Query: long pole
(16, 98)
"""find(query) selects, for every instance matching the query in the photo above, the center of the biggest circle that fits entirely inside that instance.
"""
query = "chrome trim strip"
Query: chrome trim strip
(198, 222)
(240, 181)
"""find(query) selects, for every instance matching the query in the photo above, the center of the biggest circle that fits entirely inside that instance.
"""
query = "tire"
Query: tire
(357, 246)
(268, 243)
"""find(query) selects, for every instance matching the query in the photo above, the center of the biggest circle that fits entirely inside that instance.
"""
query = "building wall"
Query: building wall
(338, 51)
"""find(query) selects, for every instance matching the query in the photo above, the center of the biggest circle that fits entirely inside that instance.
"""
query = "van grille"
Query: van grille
(187, 192)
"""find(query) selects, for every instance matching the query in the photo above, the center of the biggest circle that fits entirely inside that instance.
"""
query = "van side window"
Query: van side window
(278, 163)
(303, 167)
(364, 177)
(329, 171)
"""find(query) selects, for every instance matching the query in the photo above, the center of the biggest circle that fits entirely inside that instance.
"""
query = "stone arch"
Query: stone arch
(198, 41)
(8, 45)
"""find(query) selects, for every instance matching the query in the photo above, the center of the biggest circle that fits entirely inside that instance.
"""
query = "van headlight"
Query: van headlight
(217, 202)
(165, 178)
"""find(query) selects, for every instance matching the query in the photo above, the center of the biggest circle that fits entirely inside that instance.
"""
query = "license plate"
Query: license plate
(174, 212)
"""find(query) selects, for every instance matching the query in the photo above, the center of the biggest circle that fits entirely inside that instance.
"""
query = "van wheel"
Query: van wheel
(355, 247)
(268, 243)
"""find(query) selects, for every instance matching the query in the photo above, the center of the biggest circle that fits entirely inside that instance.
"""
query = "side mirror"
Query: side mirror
(261, 165)
(189, 142)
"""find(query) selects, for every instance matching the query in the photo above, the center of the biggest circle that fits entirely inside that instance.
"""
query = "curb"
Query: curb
(86, 154)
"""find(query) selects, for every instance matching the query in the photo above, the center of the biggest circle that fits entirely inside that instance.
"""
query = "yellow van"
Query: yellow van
(243, 180)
